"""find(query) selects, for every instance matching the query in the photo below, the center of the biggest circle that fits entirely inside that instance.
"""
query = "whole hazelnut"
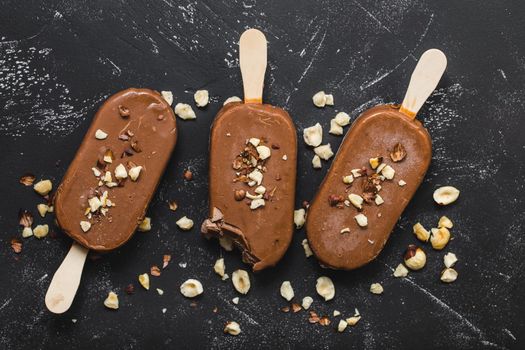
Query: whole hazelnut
(415, 257)
(439, 238)
(239, 195)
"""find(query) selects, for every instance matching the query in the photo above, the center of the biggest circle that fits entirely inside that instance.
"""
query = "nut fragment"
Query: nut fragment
(135, 172)
(356, 200)
(446, 195)
(27, 179)
(376, 288)
(307, 250)
(445, 222)
(145, 225)
(100, 135)
(325, 288)
(316, 162)
(335, 129)
(191, 288)
(241, 281)
(374, 162)
(400, 271)
(184, 223)
(226, 243)
(264, 152)
(231, 99)
(257, 203)
(307, 302)
(361, 219)
(184, 111)
(439, 238)
(120, 172)
(379, 200)
(232, 328)
(324, 151)
(342, 326)
(348, 179)
(415, 258)
(239, 195)
(342, 118)
(111, 301)
(201, 98)
(449, 275)
(168, 96)
(421, 233)
(41, 231)
(401, 183)
(219, 267)
(313, 136)
(144, 280)
(16, 245)
(388, 172)
(450, 259)
(320, 99)
(398, 153)
(287, 290)
(299, 217)
(352, 321)
(85, 225)
(235, 300)
(43, 209)
(27, 232)
(43, 187)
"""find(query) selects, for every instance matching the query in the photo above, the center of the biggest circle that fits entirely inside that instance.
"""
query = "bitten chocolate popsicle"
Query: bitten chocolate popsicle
(106, 190)
(377, 170)
(253, 156)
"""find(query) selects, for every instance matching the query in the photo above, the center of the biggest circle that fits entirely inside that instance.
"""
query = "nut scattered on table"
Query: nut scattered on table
(43, 209)
(415, 258)
(439, 238)
(111, 301)
(191, 288)
(361, 219)
(449, 275)
(445, 222)
(231, 99)
(201, 97)
(232, 328)
(376, 288)
(316, 162)
(325, 288)
(352, 321)
(324, 151)
(342, 326)
(313, 135)
(287, 290)
(450, 259)
(43, 187)
(307, 250)
(145, 225)
(219, 267)
(184, 223)
(446, 195)
(342, 118)
(335, 128)
(184, 111)
(321, 99)
(307, 302)
(168, 96)
(144, 280)
(41, 231)
(241, 281)
(100, 135)
(299, 217)
(400, 271)
(421, 233)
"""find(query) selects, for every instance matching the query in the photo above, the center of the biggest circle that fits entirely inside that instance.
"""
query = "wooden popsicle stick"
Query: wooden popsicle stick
(64, 284)
(252, 59)
(423, 82)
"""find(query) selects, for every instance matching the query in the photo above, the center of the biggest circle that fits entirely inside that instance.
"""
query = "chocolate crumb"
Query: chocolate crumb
(335, 200)
(155, 271)
(123, 111)
(25, 218)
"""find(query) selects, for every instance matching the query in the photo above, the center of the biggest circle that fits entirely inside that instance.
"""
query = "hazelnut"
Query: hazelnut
(111, 301)
(361, 219)
(232, 328)
(352, 321)
(299, 217)
(43, 209)
(264, 152)
(313, 135)
(219, 267)
(356, 200)
(260, 190)
(319, 99)
(388, 172)
(160, 291)
(85, 225)
(191, 288)
(256, 176)
(324, 151)
(43, 187)
(307, 250)
(257, 203)
(449, 275)
(239, 195)
(144, 280)
(145, 225)
(415, 258)
(398, 153)
(184, 223)
(445, 222)
(120, 172)
(400, 271)
(342, 326)
(450, 259)
(41, 231)
(374, 162)
(287, 290)
(335, 129)
(27, 232)
(100, 135)
(235, 300)
(356, 172)
(231, 99)
(184, 111)
(334, 200)
(307, 302)
(254, 141)
(446, 195)
(241, 281)
(379, 200)
(201, 98)
(439, 238)
(421, 233)
(325, 288)
(348, 179)
(376, 288)
(342, 118)
(316, 162)
(168, 96)
(135, 172)
(336, 313)
(226, 243)
(401, 183)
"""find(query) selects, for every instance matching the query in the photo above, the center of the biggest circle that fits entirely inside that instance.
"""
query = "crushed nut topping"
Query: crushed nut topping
(27, 179)
(398, 153)
(16, 245)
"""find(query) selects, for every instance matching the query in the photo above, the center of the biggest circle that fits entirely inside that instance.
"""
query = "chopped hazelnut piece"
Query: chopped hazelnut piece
(388, 172)
(313, 135)
(398, 153)
(16, 245)
(345, 230)
(235, 300)
(219, 267)
(287, 290)
(321, 99)
(241, 281)
(342, 118)
(111, 301)
(299, 217)
(27, 232)
(168, 96)
(400, 271)
(352, 321)
(85, 225)
(232, 328)
(254, 141)
(342, 326)
(231, 99)
(201, 97)
(166, 260)
(27, 179)
(96, 172)
(100, 135)
(335, 129)
(450, 259)
(325, 288)
(145, 225)
(361, 219)
(264, 152)
(135, 172)
(239, 195)
(155, 271)
(120, 172)
(324, 151)
(316, 162)
(375, 162)
(191, 288)
(421, 233)
(184, 223)
(41, 231)
(445, 222)
(257, 203)
(439, 238)
(336, 313)
(356, 173)
(173, 205)
(307, 302)
(348, 179)
(226, 243)
(43, 187)
(415, 258)
(160, 291)
(144, 280)
(376, 288)
(184, 111)
(356, 200)
(307, 250)
(449, 275)
(379, 200)
(43, 209)
(446, 195)
(256, 176)
(401, 183)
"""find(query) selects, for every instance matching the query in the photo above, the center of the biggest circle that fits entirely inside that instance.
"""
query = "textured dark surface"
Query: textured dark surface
(60, 60)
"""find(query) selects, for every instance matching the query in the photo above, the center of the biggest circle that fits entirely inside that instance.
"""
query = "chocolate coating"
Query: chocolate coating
(263, 234)
(373, 134)
(152, 123)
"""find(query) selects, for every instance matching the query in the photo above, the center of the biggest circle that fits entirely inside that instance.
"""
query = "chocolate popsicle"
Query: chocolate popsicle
(253, 156)
(378, 168)
(106, 190)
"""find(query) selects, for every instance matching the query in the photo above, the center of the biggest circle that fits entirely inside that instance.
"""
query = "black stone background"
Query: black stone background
(60, 59)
